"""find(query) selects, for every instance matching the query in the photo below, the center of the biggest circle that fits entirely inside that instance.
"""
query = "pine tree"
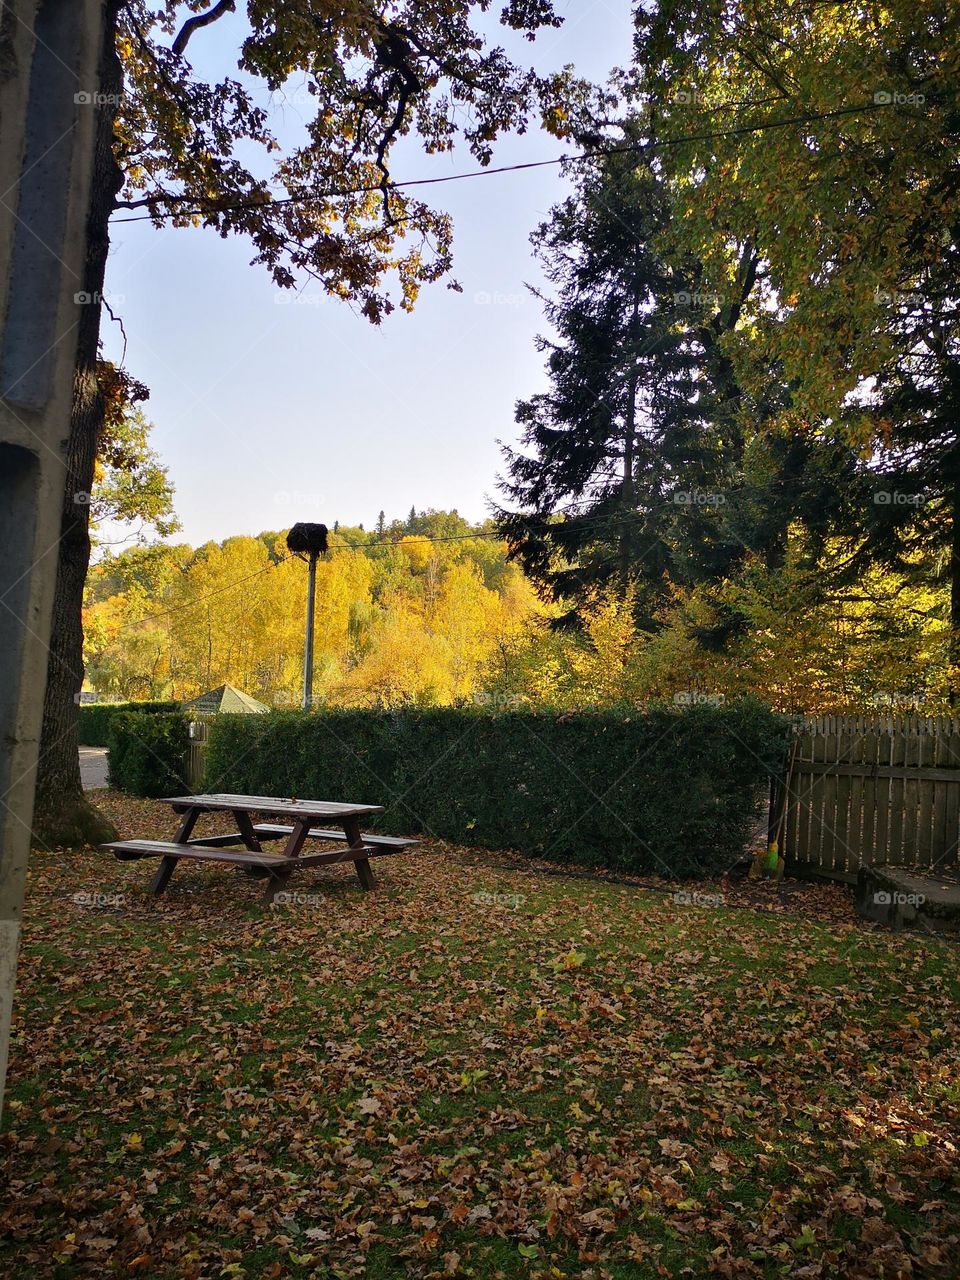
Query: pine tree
(646, 465)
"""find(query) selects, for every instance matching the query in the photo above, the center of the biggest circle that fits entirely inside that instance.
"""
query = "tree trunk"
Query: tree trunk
(62, 816)
(954, 642)
(627, 493)
(627, 489)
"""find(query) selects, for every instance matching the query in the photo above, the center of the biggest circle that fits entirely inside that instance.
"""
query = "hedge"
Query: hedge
(148, 753)
(97, 717)
(662, 791)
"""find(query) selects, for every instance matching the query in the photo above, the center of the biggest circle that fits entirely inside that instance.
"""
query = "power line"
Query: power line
(646, 148)
(350, 547)
(189, 604)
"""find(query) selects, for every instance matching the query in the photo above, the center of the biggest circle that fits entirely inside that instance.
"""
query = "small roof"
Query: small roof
(226, 699)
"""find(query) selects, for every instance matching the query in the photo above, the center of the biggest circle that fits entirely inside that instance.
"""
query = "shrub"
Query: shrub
(97, 717)
(663, 791)
(148, 753)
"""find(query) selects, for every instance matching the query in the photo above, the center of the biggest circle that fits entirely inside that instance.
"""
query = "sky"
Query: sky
(270, 408)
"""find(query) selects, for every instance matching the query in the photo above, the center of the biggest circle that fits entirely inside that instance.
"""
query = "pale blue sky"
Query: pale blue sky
(271, 412)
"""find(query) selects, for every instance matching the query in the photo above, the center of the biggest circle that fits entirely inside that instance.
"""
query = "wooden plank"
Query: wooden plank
(938, 801)
(947, 846)
(926, 787)
(270, 831)
(879, 853)
(789, 840)
(915, 740)
(860, 769)
(247, 857)
(282, 807)
(217, 842)
(841, 822)
(364, 871)
(868, 796)
(805, 802)
(162, 878)
(857, 756)
(897, 757)
(827, 815)
(272, 804)
(805, 805)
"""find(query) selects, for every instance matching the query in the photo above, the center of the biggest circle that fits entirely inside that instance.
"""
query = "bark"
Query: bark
(62, 816)
(628, 498)
(954, 643)
(627, 492)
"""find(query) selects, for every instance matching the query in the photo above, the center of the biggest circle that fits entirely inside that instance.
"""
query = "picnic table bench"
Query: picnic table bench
(303, 818)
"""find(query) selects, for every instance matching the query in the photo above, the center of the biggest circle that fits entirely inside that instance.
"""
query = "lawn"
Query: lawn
(473, 1071)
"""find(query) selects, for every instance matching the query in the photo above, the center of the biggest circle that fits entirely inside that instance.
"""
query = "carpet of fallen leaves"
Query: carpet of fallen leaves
(475, 1070)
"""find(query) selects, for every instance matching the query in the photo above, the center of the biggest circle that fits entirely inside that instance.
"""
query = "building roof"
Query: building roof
(226, 699)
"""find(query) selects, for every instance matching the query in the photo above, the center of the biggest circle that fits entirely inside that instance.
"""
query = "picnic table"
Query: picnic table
(304, 820)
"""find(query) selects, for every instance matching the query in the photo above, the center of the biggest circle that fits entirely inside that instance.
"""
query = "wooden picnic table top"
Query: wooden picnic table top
(276, 806)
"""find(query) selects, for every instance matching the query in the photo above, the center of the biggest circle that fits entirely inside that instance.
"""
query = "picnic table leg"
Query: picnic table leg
(245, 827)
(291, 852)
(160, 881)
(187, 823)
(249, 837)
(351, 829)
(169, 865)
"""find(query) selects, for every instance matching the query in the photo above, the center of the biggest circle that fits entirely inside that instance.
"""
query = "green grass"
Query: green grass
(597, 1081)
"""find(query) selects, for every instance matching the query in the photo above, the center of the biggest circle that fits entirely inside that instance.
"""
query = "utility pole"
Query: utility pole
(308, 542)
(50, 54)
(308, 640)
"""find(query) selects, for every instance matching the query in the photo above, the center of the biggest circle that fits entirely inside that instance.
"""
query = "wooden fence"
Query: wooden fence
(873, 791)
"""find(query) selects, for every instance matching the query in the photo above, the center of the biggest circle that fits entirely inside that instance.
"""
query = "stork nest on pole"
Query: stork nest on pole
(307, 541)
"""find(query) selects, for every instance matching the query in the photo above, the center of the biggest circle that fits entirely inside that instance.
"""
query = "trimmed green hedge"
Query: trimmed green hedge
(663, 791)
(148, 753)
(97, 717)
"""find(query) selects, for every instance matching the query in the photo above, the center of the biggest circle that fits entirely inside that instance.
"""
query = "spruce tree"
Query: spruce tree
(646, 464)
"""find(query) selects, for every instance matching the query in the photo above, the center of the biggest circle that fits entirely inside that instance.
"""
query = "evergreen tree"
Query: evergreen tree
(648, 465)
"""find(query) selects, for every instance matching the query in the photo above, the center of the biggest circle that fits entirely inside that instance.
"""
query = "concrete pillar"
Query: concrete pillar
(49, 54)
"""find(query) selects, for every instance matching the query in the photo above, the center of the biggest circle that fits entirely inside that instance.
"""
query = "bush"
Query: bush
(663, 791)
(97, 717)
(148, 753)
